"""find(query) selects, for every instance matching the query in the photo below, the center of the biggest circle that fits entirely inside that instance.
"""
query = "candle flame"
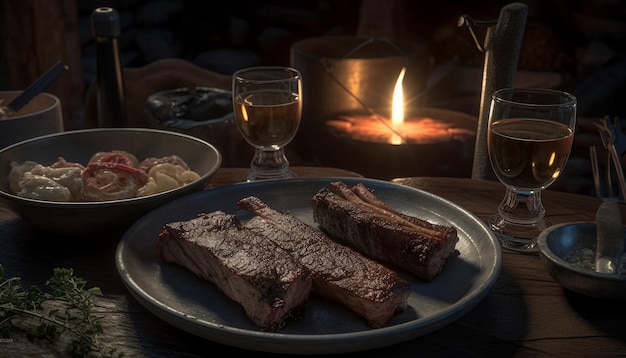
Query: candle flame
(397, 108)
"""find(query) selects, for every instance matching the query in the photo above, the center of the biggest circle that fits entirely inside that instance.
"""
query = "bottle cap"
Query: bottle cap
(105, 21)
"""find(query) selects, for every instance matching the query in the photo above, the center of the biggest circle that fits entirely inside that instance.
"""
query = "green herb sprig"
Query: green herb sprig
(66, 306)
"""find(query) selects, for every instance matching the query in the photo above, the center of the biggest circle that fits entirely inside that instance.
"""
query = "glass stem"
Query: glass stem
(269, 164)
(522, 207)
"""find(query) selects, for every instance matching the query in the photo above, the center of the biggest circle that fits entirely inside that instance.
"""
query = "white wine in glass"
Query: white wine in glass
(531, 132)
(267, 103)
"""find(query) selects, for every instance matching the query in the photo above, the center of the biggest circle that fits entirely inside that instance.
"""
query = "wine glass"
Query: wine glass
(267, 102)
(530, 138)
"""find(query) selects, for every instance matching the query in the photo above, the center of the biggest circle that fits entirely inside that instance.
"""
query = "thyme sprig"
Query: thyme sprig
(65, 306)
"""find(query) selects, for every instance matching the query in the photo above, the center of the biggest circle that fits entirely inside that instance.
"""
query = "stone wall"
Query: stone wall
(221, 37)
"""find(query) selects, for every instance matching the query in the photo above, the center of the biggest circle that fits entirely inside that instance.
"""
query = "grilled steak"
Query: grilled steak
(356, 217)
(368, 288)
(250, 269)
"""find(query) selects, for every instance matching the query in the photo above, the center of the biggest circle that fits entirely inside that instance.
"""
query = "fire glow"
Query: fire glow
(396, 130)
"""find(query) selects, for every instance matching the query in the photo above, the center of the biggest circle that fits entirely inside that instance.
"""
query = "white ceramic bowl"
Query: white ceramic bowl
(103, 218)
(560, 242)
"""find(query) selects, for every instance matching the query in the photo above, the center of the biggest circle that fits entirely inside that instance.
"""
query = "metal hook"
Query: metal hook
(466, 20)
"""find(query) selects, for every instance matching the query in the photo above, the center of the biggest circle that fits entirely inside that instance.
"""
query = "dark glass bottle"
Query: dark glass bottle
(105, 24)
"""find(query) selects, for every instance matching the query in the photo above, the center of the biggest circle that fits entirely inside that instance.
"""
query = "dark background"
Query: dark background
(578, 46)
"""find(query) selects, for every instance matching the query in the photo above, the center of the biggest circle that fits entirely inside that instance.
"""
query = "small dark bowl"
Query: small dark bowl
(103, 218)
(559, 242)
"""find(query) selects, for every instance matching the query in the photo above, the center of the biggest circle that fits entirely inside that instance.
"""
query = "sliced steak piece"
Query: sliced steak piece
(356, 217)
(264, 279)
(339, 273)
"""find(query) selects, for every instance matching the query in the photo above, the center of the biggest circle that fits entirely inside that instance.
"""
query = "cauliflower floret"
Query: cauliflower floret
(16, 173)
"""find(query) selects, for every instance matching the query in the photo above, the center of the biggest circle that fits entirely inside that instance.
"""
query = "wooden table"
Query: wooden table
(526, 313)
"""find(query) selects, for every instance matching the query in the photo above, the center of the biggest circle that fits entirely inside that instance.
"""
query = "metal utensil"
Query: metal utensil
(33, 89)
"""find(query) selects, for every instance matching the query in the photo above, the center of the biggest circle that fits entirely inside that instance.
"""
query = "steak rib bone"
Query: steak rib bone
(339, 273)
(361, 194)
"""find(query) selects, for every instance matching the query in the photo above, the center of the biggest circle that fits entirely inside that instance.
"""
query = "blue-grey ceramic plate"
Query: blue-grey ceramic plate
(194, 305)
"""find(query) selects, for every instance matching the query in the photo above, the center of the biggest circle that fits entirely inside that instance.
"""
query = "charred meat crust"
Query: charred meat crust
(250, 269)
(356, 217)
(368, 288)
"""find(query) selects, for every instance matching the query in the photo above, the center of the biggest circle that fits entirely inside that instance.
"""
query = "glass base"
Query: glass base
(517, 237)
(256, 174)
(269, 164)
